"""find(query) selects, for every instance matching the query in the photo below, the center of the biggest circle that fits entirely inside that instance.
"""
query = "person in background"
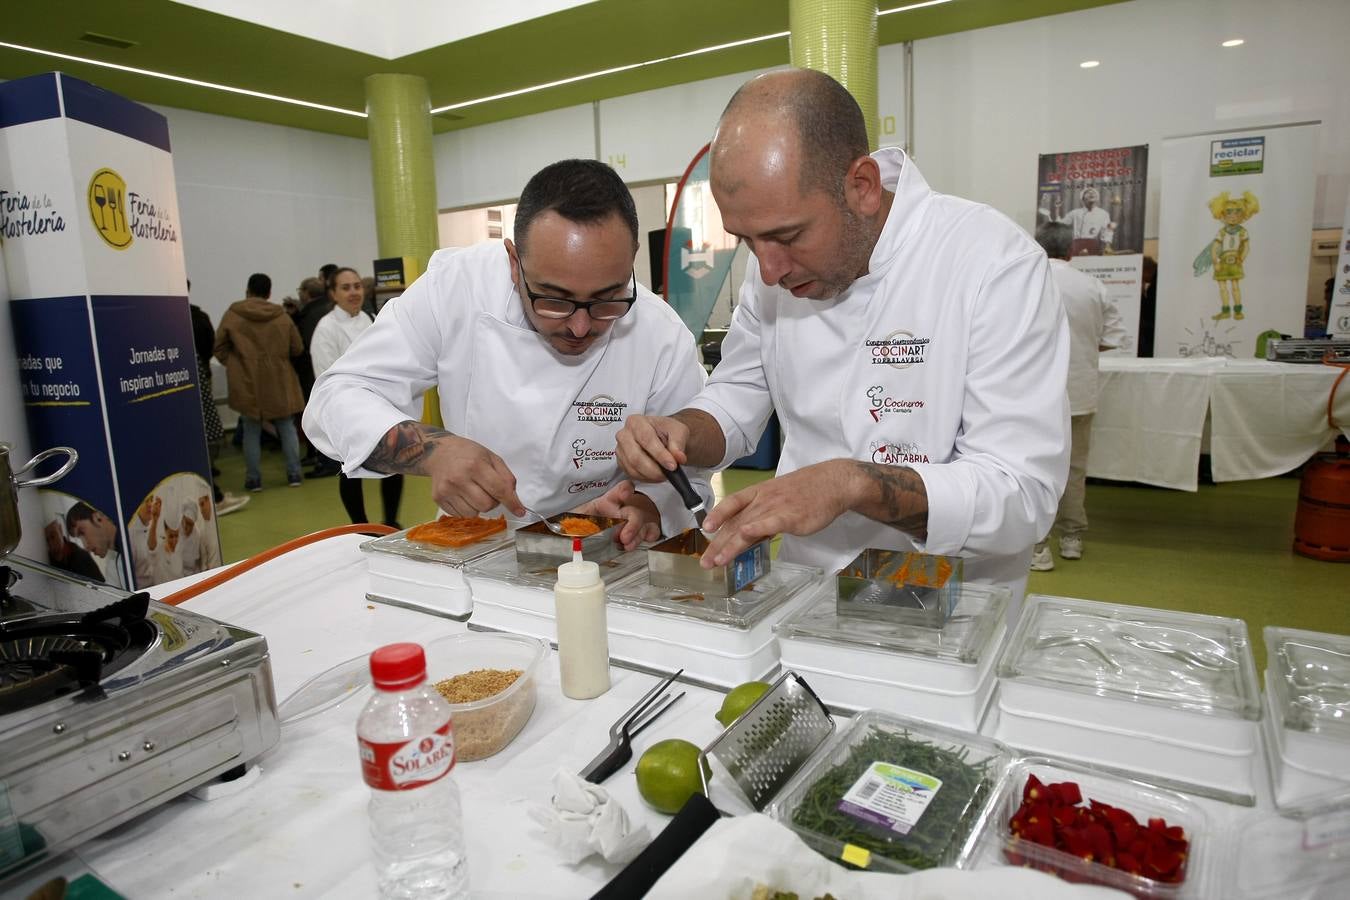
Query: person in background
(1094, 326)
(326, 273)
(334, 334)
(255, 342)
(1148, 306)
(99, 535)
(368, 296)
(535, 344)
(315, 304)
(911, 343)
(204, 342)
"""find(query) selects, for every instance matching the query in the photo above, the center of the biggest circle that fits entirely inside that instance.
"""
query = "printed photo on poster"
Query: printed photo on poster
(82, 539)
(1101, 193)
(173, 531)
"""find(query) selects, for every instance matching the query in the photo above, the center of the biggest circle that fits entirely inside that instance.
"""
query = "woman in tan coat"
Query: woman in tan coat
(255, 343)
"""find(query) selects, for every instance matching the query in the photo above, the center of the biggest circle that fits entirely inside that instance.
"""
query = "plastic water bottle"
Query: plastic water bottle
(407, 754)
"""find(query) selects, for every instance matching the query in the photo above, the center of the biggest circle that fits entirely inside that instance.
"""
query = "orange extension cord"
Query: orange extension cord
(253, 562)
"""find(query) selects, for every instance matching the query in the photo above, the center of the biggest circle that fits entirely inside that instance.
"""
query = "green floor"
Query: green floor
(1224, 550)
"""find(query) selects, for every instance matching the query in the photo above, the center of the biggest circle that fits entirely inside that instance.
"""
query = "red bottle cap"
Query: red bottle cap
(397, 667)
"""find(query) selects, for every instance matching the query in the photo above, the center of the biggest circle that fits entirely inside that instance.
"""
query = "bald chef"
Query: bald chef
(540, 347)
(912, 344)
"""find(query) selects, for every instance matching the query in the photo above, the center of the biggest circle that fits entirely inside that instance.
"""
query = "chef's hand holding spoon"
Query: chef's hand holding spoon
(642, 520)
(466, 477)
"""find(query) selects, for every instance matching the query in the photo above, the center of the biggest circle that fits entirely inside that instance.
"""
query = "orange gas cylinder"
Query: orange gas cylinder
(1322, 523)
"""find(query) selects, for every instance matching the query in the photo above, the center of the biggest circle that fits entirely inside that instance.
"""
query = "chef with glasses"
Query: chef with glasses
(541, 347)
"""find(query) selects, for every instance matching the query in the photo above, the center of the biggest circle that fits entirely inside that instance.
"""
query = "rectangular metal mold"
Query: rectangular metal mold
(674, 563)
(537, 547)
(872, 586)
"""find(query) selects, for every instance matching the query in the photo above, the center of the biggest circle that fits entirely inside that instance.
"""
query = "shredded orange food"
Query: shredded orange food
(922, 570)
(456, 531)
(578, 527)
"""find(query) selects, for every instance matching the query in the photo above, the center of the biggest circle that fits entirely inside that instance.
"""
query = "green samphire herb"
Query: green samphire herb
(949, 818)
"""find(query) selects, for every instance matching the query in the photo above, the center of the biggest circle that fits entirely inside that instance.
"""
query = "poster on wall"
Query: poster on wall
(102, 330)
(1237, 209)
(698, 252)
(1101, 194)
(1338, 312)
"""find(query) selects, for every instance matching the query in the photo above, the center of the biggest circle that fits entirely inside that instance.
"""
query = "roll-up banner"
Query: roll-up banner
(93, 254)
(1237, 210)
(1101, 193)
(1338, 313)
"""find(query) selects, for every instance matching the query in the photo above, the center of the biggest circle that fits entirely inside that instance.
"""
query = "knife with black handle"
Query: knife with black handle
(692, 501)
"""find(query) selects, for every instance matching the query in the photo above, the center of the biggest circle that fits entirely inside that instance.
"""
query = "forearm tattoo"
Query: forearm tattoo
(404, 448)
(902, 499)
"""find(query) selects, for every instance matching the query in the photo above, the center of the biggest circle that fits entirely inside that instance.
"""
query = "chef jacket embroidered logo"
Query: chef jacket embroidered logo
(601, 410)
(897, 453)
(581, 454)
(880, 406)
(899, 350)
(581, 487)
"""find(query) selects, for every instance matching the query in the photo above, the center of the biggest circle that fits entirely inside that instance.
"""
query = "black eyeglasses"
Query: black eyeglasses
(558, 308)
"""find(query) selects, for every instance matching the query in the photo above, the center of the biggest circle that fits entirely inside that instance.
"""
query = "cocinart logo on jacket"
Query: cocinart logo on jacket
(899, 350)
(600, 410)
(880, 404)
(121, 215)
(582, 454)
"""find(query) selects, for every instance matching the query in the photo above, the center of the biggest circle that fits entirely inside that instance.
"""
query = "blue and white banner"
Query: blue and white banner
(92, 247)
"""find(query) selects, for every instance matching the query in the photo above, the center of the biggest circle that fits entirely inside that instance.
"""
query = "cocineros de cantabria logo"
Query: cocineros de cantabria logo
(108, 208)
(599, 410)
(581, 454)
(899, 349)
(121, 215)
(880, 405)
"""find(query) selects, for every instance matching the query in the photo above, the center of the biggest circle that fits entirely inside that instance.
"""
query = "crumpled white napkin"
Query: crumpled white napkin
(584, 819)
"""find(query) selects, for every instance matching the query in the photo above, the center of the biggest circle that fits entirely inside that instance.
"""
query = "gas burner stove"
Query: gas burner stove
(111, 704)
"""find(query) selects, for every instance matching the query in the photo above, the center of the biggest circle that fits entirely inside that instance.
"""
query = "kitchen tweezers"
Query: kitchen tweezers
(628, 726)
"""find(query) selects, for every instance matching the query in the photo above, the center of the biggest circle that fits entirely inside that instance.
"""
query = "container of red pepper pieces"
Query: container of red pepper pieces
(1089, 827)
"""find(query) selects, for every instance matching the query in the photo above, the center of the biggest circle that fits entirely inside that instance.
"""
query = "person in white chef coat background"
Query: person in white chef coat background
(1094, 326)
(911, 342)
(334, 333)
(535, 345)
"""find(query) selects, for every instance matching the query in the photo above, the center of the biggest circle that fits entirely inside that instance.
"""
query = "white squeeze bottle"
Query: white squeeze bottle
(583, 635)
(407, 754)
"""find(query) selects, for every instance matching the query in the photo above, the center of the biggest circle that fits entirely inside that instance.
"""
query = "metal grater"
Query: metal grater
(771, 740)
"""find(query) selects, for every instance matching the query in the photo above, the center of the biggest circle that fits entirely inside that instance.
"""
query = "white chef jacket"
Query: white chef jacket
(333, 335)
(552, 418)
(949, 357)
(1094, 322)
(1089, 223)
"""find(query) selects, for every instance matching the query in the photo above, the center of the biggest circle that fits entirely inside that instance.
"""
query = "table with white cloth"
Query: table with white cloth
(1254, 417)
(300, 828)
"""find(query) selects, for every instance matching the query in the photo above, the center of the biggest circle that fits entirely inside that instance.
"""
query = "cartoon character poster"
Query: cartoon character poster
(1234, 225)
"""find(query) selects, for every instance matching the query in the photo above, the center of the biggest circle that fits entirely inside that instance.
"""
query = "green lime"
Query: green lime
(667, 775)
(741, 698)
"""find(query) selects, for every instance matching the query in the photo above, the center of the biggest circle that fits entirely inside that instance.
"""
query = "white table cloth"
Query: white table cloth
(1257, 418)
(300, 829)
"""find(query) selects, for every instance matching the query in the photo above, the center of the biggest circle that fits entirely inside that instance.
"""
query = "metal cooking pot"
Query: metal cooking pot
(10, 482)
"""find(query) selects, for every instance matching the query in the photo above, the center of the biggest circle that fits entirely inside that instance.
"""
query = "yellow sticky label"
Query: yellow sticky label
(856, 856)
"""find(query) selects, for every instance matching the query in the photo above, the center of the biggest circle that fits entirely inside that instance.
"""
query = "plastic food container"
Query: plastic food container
(999, 846)
(423, 576)
(515, 597)
(484, 727)
(899, 586)
(895, 794)
(1172, 695)
(1277, 857)
(1308, 716)
(722, 641)
(942, 675)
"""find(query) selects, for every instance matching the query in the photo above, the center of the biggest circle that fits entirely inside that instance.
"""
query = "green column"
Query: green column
(839, 38)
(398, 122)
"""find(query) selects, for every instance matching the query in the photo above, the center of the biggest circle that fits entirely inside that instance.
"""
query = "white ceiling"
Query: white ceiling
(387, 28)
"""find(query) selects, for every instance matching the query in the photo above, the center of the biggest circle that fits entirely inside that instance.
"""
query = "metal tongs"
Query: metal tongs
(628, 726)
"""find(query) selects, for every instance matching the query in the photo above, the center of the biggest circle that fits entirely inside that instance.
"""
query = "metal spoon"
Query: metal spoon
(551, 526)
